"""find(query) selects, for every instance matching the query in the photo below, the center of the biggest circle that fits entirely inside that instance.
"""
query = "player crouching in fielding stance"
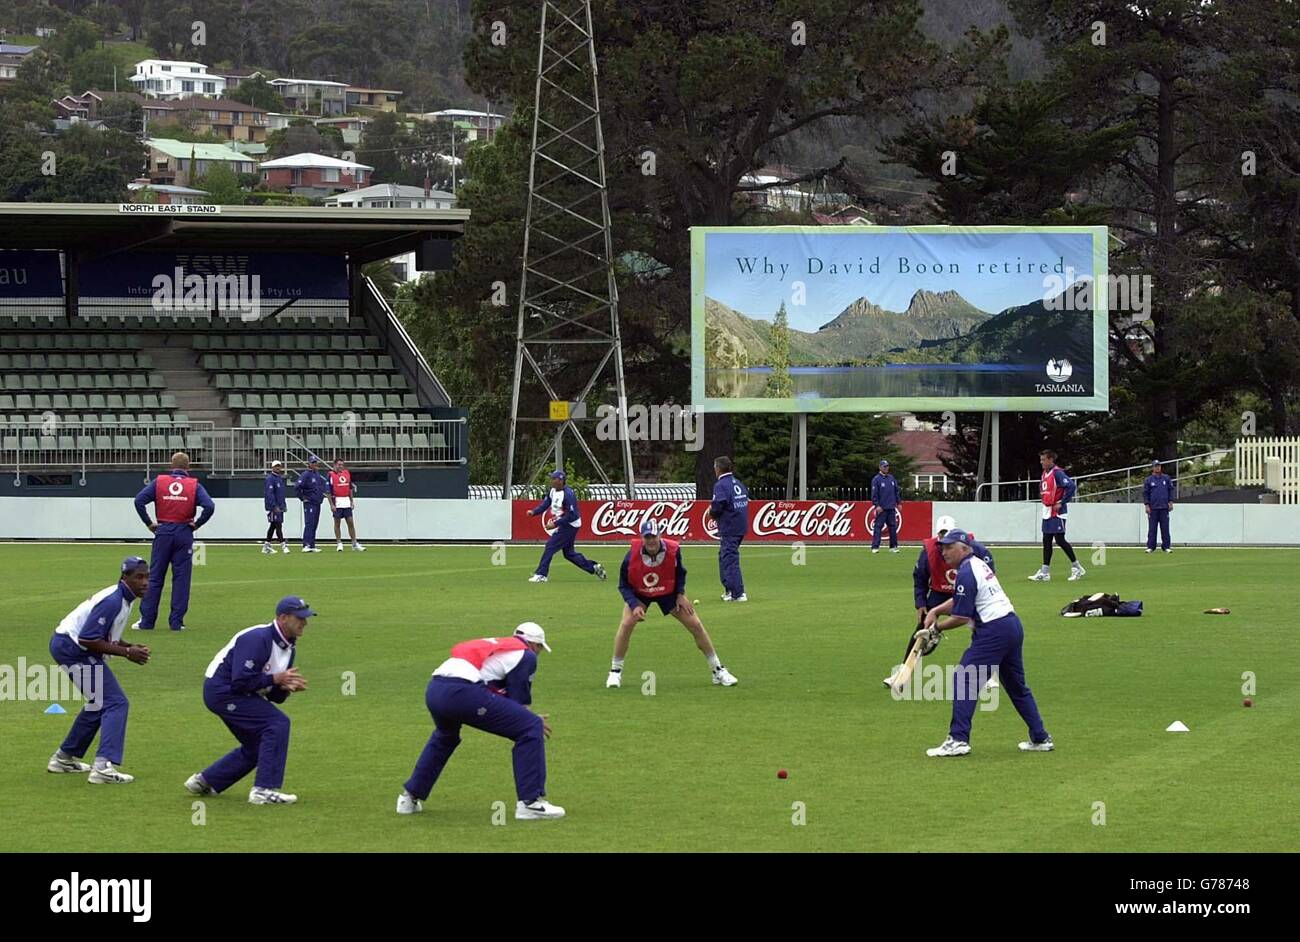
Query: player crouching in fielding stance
(653, 572)
(996, 643)
(487, 684)
(81, 645)
(244, 682)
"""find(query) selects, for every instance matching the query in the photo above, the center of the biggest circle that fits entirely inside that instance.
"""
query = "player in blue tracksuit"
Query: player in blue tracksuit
(174, 496)
(273, 502)
(730, 508)
(563, 505)
(310, 488)
(886, 496)
(1158, 492)
(997, 639)
(81, 645)
(242, 685)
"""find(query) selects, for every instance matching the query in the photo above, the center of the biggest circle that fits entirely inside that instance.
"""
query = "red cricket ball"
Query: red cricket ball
(782, 773)
(1248, 702)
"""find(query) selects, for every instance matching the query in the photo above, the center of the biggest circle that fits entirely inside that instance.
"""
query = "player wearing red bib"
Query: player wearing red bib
(652, 572)
(342, 495)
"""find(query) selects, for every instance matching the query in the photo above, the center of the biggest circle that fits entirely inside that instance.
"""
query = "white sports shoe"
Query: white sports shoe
(270, 796)
(312, 549)
(727, 598)
(136, 627)
(539, 809)
(889, 681)
(1169, 551)
(1076, 573)
(338, 548)
(358, 547)
(894, 549)
(600, 572)
(536, 578)
(266, 548)
(1150, 551)
(195, 785)
(742, 597)
(614, 680)
(874, 552)
(70, 764)
(109, 776)
(407, 804)
(1045, 746)
(284, 548)
(1041, 576)
(724, 677)
(950, 747)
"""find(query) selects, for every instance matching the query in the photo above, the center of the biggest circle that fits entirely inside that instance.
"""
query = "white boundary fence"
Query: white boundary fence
(1273, 463)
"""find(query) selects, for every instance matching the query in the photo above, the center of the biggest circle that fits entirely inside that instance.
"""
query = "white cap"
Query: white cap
(944, 523)
(531, 631)
(277, 464)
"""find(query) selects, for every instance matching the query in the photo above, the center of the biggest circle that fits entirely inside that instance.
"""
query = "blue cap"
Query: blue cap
(956, 536)
(132, 563)
(558, 474)
(1157, 464)
(294, 605)
(651, 528)
(884, 463)
(313, 460)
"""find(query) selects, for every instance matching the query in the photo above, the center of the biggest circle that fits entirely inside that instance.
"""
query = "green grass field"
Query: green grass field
(692, 767)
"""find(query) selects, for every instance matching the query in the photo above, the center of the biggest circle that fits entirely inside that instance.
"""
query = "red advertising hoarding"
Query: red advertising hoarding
(774, 521)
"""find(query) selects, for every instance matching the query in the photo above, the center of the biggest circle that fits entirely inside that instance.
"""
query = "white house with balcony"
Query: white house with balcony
(171, 78)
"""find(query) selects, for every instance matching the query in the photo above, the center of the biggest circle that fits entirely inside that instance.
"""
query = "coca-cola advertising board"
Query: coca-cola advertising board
(776, 521)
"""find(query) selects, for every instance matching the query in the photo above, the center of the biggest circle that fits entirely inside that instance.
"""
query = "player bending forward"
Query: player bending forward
(652, 571)
(997, 639)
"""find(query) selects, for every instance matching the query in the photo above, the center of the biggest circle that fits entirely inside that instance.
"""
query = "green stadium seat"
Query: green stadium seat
(60, 402)
(247, 420)
(319, 418)
(345, 381)
(142, 361)
(253, 401)
(235, 401)
(75, 361)
(122, 442)
(341, 401)
(58, 361)
(368, 363)
(150, 401)
(103, 381)
(225, 381)
(27, 342)
(288, 401)
(229, 362)
(156, 381)
(49, 381)
(201, 341)
(385, 440)
(259, 381)
(31, 382)
(193, 441)
(6, 402)
(133, 401)
(385, 363)
(109, 361)
(311, 342)
(85, 442)
(406, 418)
(41, 401)
(115, 401)
(39, 361)
(144, 418)
(166, 401)
(67, 381)
(354, 343)
(409, 401)
(79, 401)
(181, 419)
(364, 383)
(63, 341)
(5, 361)
(271, 401)
(390, 401)
(91, 361)
(358, 401)
(397, 381)
(211, 361)
(301, 418)
(121, 381)
(103, 441)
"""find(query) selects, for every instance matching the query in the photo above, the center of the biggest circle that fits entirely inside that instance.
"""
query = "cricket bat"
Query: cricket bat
(905, 672)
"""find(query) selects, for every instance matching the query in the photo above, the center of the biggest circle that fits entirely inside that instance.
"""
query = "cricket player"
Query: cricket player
(1158, 496)
(310, 488)
(932, 580)
(242, 685)
(81, 645)
(342, 495)
(175, 495)
(997, 638)
(730, 508)
(1058, 490)
(886, 495)
(652, 571)
(563, 505)
(487, 684)
(273, 501)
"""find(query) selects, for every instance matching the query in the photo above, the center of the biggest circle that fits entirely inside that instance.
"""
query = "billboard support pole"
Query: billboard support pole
(803, 455)
(794, 452)
(997, 453)
(984, 447)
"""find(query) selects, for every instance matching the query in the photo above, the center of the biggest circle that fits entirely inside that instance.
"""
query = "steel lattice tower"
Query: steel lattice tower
(568, 334)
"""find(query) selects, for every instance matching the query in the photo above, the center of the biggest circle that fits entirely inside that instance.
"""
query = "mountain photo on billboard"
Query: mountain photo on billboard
(940, 345)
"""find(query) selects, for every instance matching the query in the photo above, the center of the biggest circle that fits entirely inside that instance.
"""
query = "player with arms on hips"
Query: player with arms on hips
(933, 581)
(652, 571)
(343, 498)
(997, 641)
(1058, 490)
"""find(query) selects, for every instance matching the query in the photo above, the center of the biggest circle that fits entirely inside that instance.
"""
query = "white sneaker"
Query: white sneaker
(266, 548)
(874, 552)
(1169, 551)
(600, 572)
(1045, 746)
(538, 809)
(270, 796)
(70, 764)
(894, 549)
(614, 680)
(1041, 576)
(536, 578)
(724, 677)
(284, 548)
(1150, 551)
(741, 598)
(195, 785)
(993, 684)
(728, 598)
(109, 776)
(1076, 573)
(136, 627)
(889, 681)
(358, 547)
(312, 549)
(406, 804)
(950, 747)
(339, 548)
